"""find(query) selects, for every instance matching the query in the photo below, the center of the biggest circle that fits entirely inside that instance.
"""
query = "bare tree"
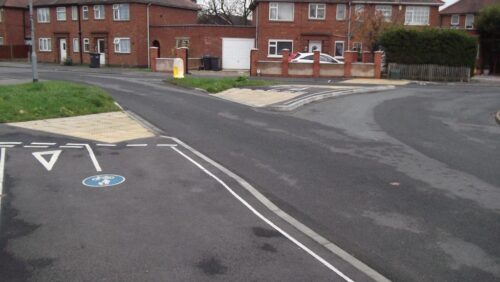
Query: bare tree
(230, 12)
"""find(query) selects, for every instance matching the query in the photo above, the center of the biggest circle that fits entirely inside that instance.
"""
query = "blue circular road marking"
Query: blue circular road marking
(103, 180)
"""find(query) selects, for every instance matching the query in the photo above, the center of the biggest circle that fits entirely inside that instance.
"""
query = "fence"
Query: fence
(9, 52)
(429, 72)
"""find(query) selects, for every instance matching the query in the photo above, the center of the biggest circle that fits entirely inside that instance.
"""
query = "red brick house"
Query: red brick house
(462, 15)
(14, 22)
(118, 30)
(329, 25)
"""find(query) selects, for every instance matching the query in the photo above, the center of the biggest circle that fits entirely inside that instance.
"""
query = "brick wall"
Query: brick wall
(203, 39)
(12, 28)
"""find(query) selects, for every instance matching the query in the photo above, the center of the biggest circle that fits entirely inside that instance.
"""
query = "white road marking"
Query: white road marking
(106, 145)
(7, 146)
(166, 145)
(71, 147)
(91, 154)
(2, 167)
(258, 214)
(47, 164)
(41, 143)
(35, 146)
(11, 143)
(137, 145)
(372, 273)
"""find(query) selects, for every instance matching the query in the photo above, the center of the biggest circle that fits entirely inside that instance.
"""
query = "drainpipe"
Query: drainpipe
(349, 28)
(147, 19)
(80, 43)
(257, 26)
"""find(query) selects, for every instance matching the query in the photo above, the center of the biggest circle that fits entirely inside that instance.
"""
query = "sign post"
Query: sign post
(33, 46)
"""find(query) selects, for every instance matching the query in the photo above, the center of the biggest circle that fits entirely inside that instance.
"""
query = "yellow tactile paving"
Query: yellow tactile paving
(107, 127)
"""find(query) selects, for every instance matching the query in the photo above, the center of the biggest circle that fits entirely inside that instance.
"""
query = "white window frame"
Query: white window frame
(116, 12)
(457, 20)
(61, 11)
(86, 45)
(1, 15)
(360, 46)
(469, 21)
(43, 15)
(116, 43)
(275, 6)
(412, 15)
(45, 44)
(317, 7)
(344, 14)
(385, 11)
(335, 48)
(76, 45)
(85, 13)
(180, 42)
(98, 13)
(275, 43)
(74, 13)
(1, 40)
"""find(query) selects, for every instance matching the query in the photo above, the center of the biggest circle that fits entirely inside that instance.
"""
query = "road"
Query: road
(406, 180)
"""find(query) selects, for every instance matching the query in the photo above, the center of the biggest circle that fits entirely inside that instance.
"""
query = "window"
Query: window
(122, 45)
(61, 13)
(76, 45)
(86, 45)
(357, 46)
(281, 11)
(74, 13)
(339, 48)
(1, 15)
(43, 15)
(277, 46)
(455, 19)
(416, 15)
(340, 12)
(98, 12)
(85, 12)
(181, 42)
(317, 11)
(385, 11)
(121, 12)
(359, 9)
(1, 40)
(45, 44)
(469, 21)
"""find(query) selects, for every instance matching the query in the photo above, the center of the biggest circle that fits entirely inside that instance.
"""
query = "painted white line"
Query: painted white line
(258, 214)
(166, 145)
(137, 145)
(7, 146)
(54, 155)
(91, 154)
(11, 143)
(372, 273)
(35, 146)
(41, 143)
(71, 147)
(106, 145)
(2, 167)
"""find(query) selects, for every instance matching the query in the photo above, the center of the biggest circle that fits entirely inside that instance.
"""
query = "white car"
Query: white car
(309, 58)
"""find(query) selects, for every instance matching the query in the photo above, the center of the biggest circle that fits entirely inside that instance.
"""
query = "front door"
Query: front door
(100, 50)
(314, 45)
(63, 50)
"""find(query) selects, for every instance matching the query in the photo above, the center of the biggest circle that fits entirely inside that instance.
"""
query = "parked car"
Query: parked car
(309, 58)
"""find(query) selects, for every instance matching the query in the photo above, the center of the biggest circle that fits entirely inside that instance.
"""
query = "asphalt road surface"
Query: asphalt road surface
(406, 181)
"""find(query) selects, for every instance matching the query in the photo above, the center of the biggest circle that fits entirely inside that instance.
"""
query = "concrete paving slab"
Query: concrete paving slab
(106, 127)
(256, 97)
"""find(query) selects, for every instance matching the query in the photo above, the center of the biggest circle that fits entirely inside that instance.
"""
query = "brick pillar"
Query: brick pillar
(253, 61)
(349, 58)
(378, 64)
(316, 64)
(182, 53)
(284, 62)
(367, 57)
(153, 54)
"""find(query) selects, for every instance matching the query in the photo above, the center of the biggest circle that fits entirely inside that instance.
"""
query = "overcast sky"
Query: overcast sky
(448, 2)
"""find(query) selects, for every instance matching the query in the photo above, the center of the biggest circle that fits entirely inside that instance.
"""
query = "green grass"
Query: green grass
(51, 99)
(215, 85)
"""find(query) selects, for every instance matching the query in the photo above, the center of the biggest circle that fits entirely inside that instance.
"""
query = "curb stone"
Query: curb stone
(301, 101)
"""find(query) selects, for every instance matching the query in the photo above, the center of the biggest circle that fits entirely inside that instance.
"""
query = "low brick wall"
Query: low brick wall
(331, 70)
(164, 64)
(271, 68)
(363, 70)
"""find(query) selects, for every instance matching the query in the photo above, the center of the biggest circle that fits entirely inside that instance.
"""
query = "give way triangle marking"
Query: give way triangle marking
(47, 164)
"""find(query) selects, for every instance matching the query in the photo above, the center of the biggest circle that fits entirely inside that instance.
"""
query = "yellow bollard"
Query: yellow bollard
(178, 70)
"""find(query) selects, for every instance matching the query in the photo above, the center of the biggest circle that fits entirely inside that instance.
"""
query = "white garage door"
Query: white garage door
(236, 53)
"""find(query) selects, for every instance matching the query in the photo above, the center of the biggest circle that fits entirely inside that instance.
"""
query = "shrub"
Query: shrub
(429, 46)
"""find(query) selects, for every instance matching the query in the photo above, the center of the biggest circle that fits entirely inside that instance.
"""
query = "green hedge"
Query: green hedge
(428, 46)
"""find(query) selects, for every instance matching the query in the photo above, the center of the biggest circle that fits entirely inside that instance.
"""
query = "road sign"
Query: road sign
(103, 180)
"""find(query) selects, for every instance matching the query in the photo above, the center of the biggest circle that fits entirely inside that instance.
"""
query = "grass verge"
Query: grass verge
(51, 99)
(215, 85)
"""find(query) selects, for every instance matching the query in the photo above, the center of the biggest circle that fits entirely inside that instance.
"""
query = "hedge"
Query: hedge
(445, 47)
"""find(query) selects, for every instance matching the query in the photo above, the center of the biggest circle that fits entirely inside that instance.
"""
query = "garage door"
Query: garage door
(236, 53)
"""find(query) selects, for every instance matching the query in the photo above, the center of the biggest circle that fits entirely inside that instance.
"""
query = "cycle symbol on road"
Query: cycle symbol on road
(103, 180)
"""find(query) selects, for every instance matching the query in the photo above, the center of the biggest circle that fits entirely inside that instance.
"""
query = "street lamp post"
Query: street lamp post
(33, 45)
